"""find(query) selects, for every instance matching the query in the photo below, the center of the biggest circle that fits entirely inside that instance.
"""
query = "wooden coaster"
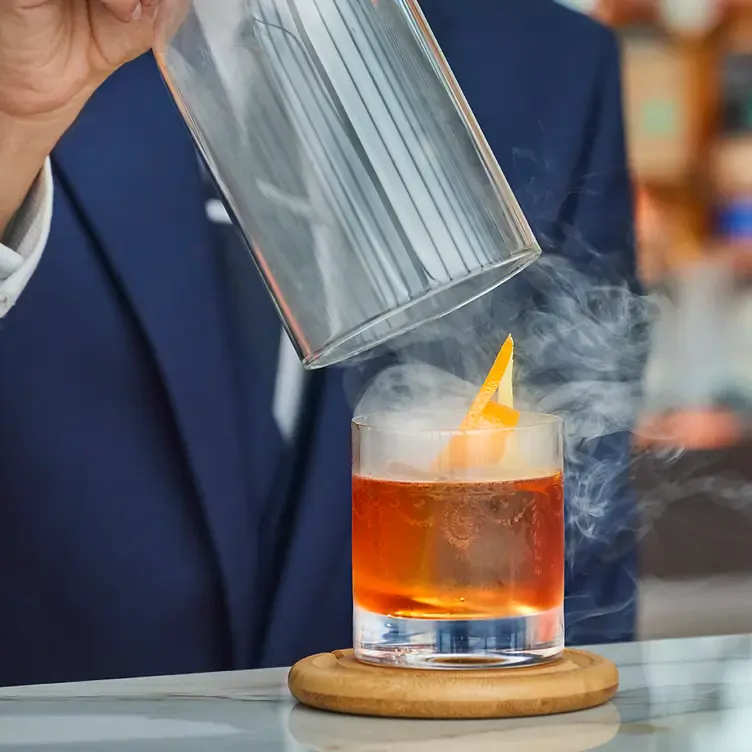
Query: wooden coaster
(339, 683)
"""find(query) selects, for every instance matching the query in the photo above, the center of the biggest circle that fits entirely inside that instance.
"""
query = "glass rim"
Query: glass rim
(540, 421)
(337, 350)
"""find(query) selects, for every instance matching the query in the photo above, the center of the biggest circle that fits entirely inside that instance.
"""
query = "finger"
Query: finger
(124, 10)
(172, 14)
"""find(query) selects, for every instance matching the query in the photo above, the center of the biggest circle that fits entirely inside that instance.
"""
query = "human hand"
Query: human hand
(55, 53)
(53, 56)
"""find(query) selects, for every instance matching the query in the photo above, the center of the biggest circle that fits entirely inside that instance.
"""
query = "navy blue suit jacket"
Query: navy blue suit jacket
(149, 524)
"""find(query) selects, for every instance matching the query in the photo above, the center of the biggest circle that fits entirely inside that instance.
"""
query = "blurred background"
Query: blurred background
(688, 98)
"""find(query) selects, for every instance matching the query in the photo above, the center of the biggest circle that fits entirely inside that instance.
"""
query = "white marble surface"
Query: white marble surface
(677, 696)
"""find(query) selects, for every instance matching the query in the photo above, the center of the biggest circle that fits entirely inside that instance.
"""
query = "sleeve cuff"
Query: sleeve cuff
(25, 240)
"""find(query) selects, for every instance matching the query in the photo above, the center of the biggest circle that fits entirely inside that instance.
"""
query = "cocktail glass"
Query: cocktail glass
(458, 541)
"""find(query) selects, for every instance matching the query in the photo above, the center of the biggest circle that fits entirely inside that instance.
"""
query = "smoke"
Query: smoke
(418, 390)
(583, 341)
(581, 349)
(584, 347)
(582, 344)
(409, 401)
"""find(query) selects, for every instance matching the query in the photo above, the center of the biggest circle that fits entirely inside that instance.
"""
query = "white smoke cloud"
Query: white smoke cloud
(582, 345)
(581, 348)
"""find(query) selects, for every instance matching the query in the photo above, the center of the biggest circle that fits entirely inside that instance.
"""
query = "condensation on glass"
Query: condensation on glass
(349, 160)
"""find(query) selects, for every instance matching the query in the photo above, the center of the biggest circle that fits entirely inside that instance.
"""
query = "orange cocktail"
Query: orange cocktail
(458, 549)
(458, 533)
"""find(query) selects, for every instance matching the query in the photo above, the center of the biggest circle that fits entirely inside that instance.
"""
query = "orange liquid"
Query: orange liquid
(467, 550)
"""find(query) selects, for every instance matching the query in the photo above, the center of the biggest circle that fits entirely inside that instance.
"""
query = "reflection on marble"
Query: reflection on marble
(683, 695)
(565, 733)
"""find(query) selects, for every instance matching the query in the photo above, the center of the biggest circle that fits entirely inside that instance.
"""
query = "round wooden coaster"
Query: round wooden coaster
(339, 683)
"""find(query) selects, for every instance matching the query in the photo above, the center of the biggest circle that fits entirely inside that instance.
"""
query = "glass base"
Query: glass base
(459, 644)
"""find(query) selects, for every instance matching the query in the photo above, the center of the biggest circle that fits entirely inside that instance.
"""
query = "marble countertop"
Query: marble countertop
(678, 695)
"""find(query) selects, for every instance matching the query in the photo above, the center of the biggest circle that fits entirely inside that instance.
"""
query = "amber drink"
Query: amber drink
(458, 559)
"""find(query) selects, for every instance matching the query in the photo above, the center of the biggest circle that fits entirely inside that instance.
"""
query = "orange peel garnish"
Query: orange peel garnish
(489, 387)
(501, 416)
(478, 448)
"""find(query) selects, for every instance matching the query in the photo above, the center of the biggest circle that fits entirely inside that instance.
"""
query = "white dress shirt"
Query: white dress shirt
(24, 240)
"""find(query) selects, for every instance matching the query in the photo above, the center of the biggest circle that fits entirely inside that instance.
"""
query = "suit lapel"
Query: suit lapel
(132, 171)
(311, 610)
